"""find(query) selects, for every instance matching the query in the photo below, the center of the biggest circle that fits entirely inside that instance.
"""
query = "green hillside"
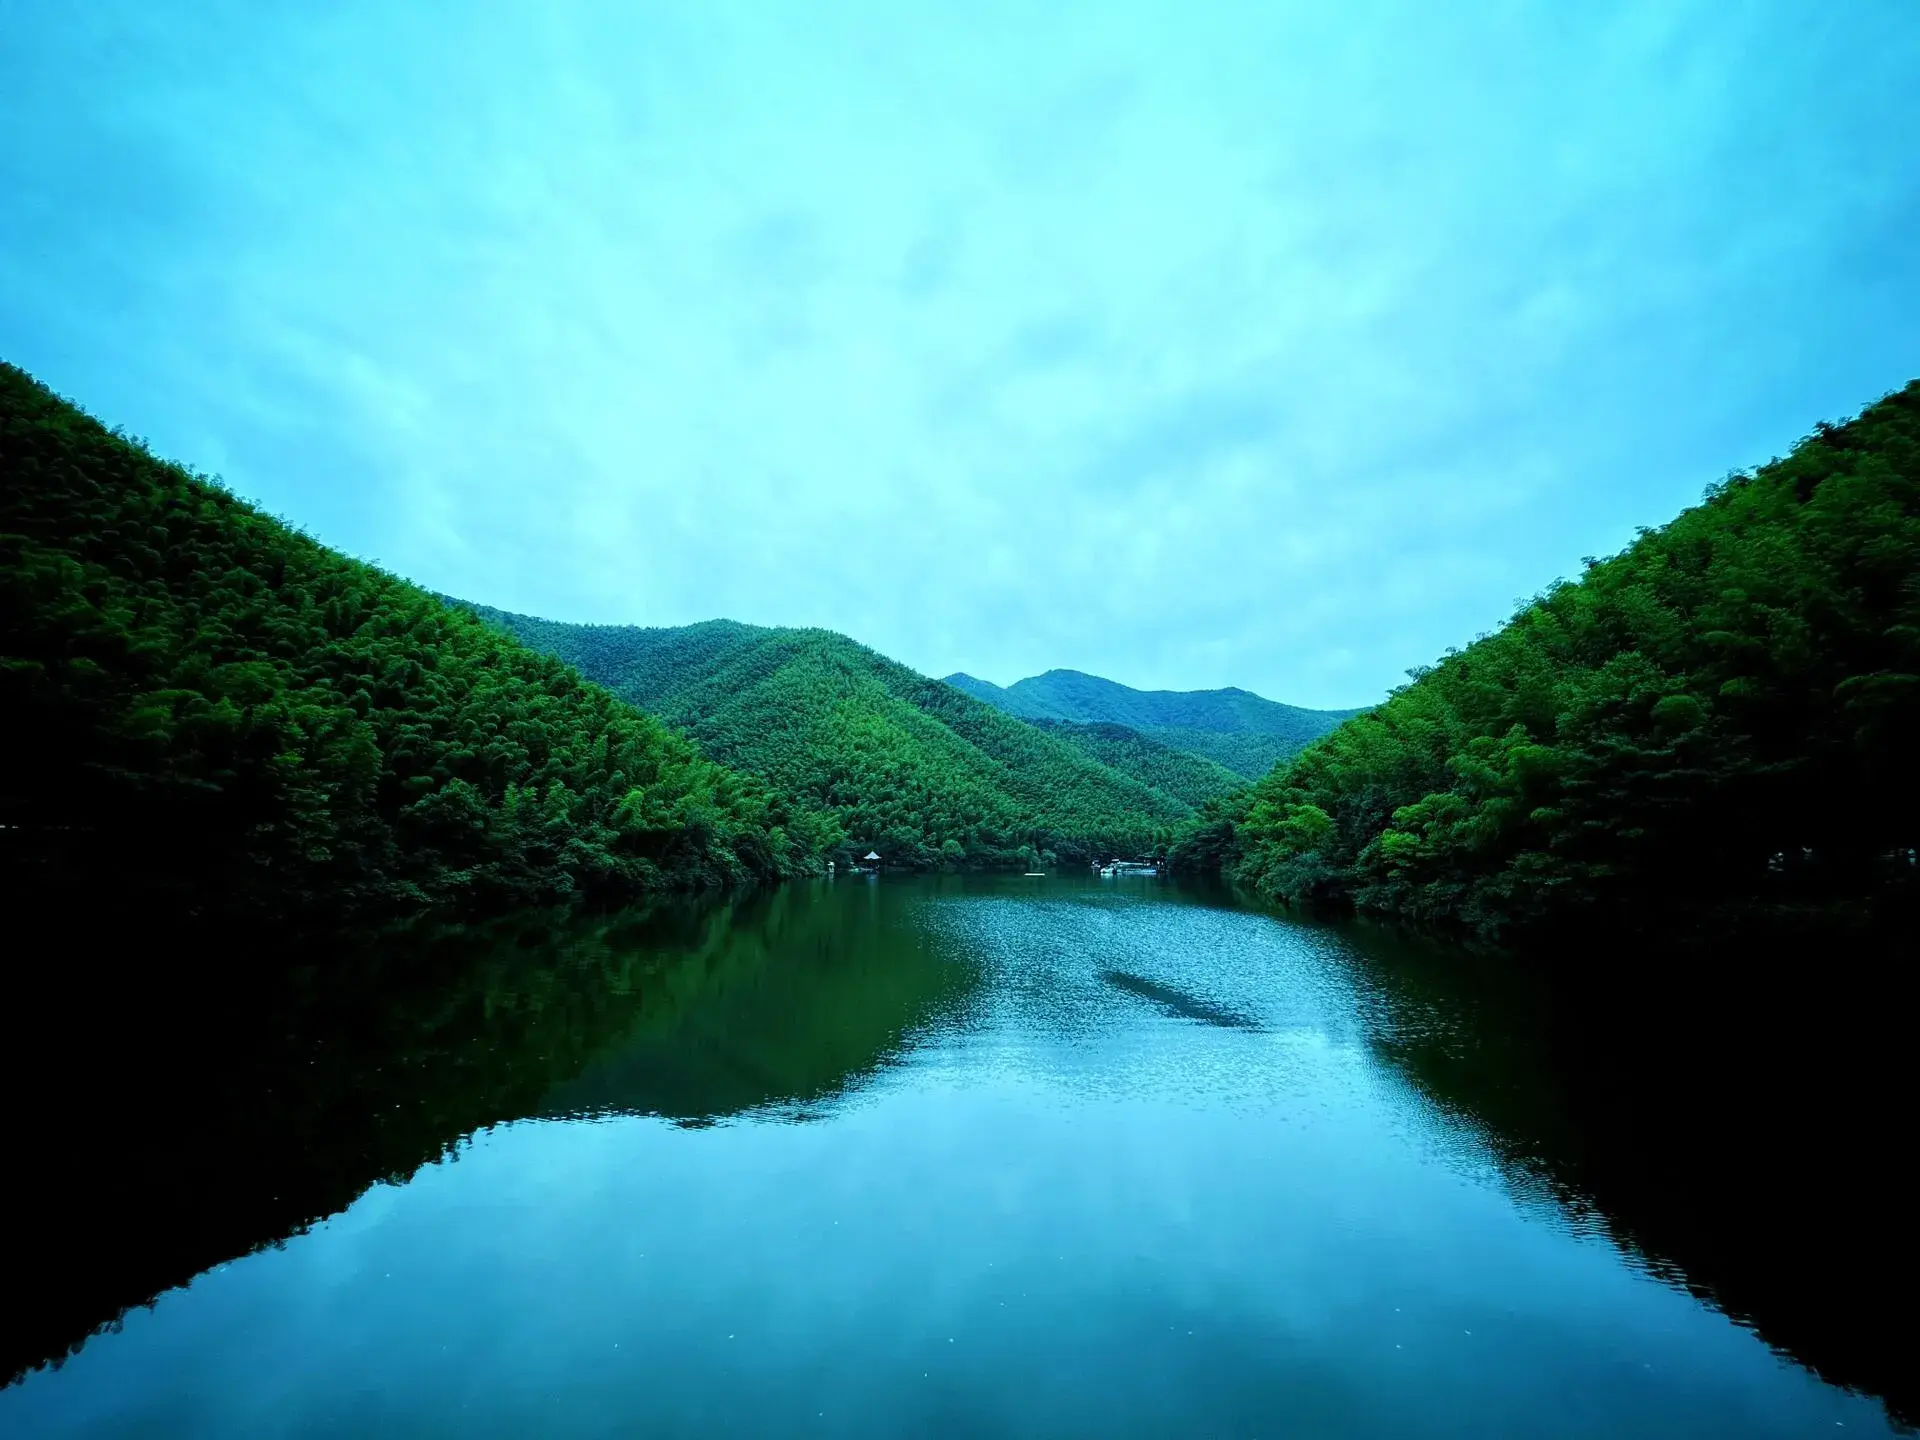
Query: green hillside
(205, 706)
(1713, 729)
(1188, 777)
(1249, 755)
(1233, 728)
(908, 765)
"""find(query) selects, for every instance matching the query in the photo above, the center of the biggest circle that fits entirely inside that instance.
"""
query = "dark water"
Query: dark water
(980, 1157)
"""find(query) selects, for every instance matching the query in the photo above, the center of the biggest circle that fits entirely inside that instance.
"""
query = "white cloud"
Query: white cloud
(1191, 345)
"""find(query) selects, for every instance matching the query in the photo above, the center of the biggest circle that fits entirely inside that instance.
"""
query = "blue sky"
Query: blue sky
(1189, 344)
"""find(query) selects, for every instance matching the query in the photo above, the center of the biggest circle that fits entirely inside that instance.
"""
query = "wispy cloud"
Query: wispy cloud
(1194, 345)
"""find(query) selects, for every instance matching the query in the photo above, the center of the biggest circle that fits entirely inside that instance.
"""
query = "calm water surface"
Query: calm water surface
(945, 1157)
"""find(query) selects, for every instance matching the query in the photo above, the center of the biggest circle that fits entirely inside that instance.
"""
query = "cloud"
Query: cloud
(1256, 345)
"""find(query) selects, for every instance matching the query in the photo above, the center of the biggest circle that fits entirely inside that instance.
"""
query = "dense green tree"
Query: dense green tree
(1714, 727)
(1183, 774)
(201, 702)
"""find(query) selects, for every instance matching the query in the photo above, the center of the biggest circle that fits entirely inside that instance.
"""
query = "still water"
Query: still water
(958, 1157)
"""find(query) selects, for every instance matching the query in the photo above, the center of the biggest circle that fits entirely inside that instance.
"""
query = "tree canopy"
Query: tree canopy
(1187, 776)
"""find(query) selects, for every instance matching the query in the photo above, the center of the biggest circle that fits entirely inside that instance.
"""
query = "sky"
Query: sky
(1194, 344)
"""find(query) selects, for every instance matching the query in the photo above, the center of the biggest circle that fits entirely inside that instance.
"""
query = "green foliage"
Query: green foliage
(1248, 756)
(1715, 726)
(199, 699)
(929, 777)
(1233, 728)
(1190, 778)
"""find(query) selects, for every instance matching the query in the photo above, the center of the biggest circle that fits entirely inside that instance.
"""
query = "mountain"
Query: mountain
(926, 775)
(1236, 729)
(1709, 734)
(206, 708)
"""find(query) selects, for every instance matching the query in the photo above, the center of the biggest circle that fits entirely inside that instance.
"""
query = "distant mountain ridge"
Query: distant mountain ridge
(1244, 732)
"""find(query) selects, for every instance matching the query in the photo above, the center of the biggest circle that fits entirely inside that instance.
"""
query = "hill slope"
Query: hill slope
(202, 705)
(908, 765)
(1234, 728)
(1712, 729)
(1188, 777)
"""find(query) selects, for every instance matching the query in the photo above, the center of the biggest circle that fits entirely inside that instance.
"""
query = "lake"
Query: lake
(946, 1157)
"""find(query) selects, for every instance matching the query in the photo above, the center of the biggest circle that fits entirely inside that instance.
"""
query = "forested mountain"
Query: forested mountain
(203, 705)
(1714, 728)
(1234, 728)
(908, 765)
